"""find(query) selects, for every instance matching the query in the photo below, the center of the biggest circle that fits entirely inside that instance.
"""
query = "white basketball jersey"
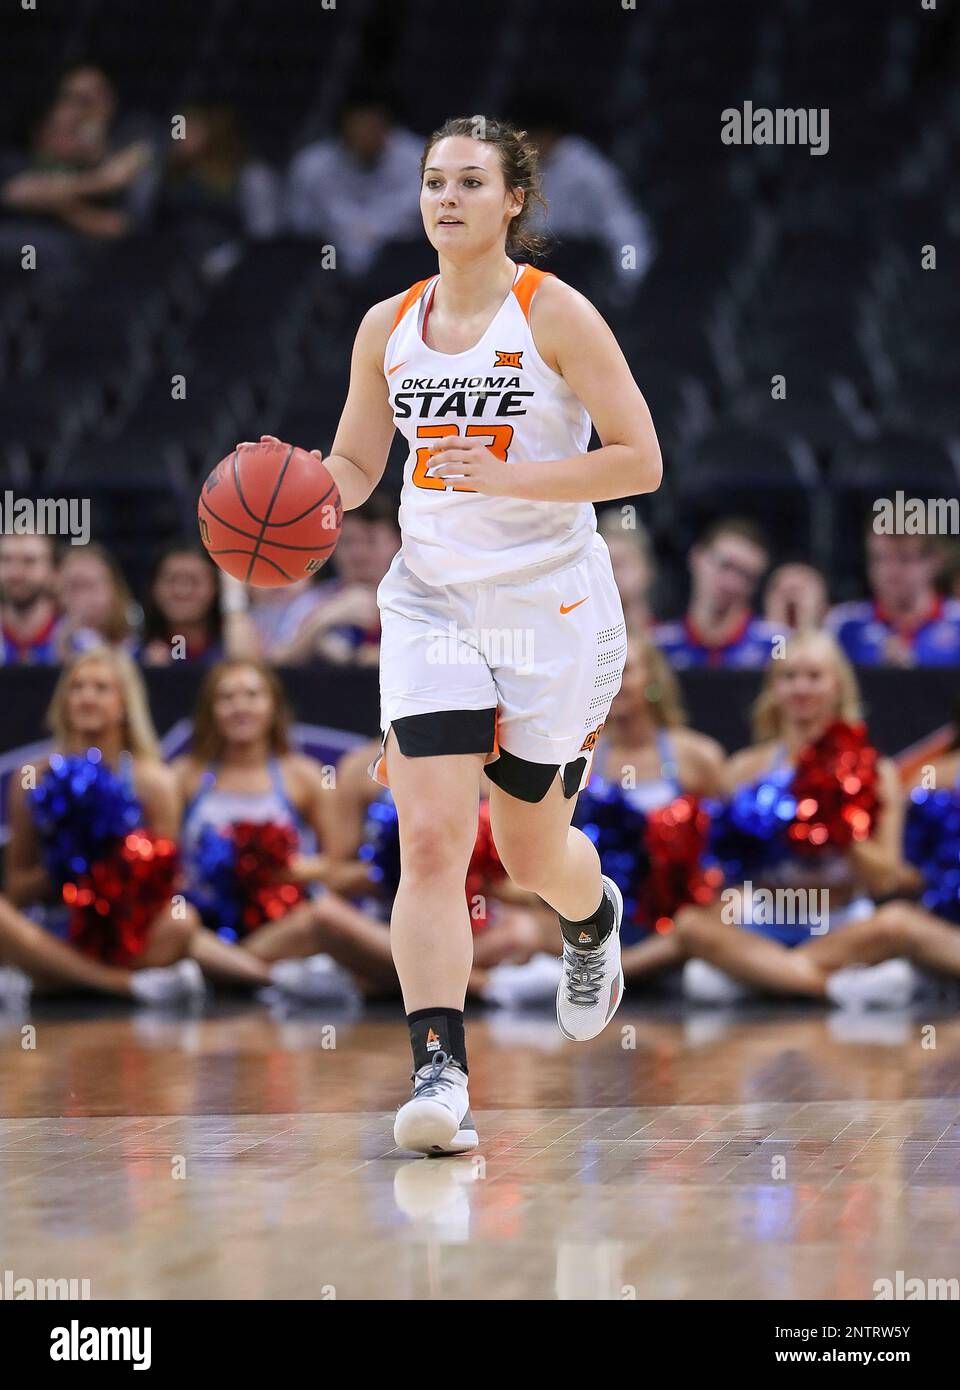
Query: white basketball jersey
(503, 393)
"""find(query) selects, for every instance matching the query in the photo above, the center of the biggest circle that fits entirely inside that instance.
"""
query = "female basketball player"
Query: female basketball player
(241, 768)
(811, 686)
(503, 632)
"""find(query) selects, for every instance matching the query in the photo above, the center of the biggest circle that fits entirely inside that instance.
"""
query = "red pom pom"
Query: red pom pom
(264, 853)
(116, 903)
(835, 785)
(676, 840)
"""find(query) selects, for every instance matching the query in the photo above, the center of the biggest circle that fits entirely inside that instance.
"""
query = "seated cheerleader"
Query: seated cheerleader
(91, 828)
(254, 813)
(809, 736)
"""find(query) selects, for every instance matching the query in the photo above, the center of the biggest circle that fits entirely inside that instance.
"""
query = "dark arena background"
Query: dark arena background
(198, 203)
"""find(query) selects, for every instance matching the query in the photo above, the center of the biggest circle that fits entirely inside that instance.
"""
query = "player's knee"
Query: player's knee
(526, 867)
(431, 850)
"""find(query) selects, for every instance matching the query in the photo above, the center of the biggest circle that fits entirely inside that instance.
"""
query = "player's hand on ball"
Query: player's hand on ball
(467, 463)
(264, 439)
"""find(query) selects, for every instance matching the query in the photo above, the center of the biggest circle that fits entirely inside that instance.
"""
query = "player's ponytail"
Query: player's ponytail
(520, 165)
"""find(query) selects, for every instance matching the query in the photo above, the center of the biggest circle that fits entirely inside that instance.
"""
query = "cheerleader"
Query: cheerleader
(102, 729)
(803, 694)
(241, 779)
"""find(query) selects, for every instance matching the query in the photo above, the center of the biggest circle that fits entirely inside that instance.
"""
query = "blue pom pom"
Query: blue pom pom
(81, 808)
(381, 847)
(618, 829)
(212, 885)
(932, 844)
(748, 832)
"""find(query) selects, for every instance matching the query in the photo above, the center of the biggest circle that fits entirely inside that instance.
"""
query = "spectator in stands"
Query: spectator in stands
(905, 622)
(29, 613)
(212, 190)
(75, 173)
(345, 627)
(278, 614)
(948, 573)
(194, 612)
(795, 597)
(585, 193)
(720, 627)
(360, 190)
(634, 568)
(97, 605)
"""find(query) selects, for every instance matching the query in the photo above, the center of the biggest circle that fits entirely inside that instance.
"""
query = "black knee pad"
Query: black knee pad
(529, 781)
(446, 731)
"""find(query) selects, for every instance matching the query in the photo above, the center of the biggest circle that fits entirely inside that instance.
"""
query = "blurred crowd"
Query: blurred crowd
(57, 600)
(92, 173)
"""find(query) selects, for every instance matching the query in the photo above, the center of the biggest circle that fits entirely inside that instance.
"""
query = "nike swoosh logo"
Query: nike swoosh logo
(568, 608)
(391, 370)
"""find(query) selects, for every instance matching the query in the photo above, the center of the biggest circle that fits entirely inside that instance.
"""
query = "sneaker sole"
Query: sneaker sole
(590, 1036)
(429, 1128)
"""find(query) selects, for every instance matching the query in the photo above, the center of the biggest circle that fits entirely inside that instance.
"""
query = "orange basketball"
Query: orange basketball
(270, 514)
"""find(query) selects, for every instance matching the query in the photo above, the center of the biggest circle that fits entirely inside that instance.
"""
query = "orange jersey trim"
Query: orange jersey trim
(411, 297)
(527, 286)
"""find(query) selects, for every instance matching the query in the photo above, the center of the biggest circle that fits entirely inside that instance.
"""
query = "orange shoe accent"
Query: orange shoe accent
(411, 297)
(527, 286)
(569, 607)
(391, 370)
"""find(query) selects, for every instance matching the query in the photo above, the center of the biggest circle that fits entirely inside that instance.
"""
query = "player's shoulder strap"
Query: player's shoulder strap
(526, 285)
(409, 299)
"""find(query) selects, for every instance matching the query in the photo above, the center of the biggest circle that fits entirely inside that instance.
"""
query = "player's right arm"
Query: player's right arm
(358, 456)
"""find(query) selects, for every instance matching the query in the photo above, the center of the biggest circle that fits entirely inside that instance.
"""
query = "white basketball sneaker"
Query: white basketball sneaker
(592, 985)
(437, 1119)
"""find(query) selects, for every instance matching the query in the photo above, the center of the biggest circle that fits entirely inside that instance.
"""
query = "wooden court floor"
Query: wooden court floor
(247, 1155)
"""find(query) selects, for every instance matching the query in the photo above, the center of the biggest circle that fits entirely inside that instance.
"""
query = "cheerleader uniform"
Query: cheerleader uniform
(832, 870)
(212, 807)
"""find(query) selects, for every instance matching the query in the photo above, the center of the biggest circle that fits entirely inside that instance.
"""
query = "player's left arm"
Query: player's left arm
(573, 339)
